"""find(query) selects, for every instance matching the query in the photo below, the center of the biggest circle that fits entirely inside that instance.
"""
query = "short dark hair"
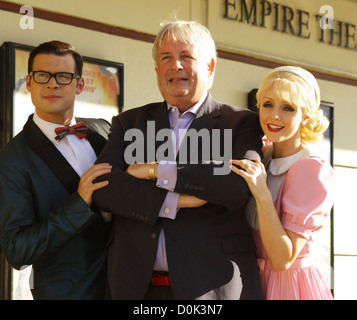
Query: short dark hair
(58, 48)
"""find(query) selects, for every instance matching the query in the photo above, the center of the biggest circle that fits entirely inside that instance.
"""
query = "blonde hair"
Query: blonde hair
(189, 32)
(300, 88)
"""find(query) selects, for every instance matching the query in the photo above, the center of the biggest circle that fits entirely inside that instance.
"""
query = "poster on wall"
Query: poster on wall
(102, 96)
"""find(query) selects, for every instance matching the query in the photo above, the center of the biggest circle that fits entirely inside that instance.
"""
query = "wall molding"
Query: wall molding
(141, 36)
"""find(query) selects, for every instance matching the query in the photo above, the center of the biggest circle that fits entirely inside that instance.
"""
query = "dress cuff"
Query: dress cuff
(166, 175)
(169, 207)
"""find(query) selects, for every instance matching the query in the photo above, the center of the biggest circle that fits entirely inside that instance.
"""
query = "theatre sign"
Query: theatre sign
(295, 22)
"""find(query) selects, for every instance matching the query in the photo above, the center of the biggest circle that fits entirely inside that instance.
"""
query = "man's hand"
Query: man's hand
(187, 201)
(140, 170)
(86, 186)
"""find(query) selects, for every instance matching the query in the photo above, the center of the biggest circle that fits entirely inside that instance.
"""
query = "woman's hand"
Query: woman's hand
(253, 173)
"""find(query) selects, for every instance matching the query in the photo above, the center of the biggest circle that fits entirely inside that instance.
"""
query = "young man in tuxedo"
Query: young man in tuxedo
(47, 218)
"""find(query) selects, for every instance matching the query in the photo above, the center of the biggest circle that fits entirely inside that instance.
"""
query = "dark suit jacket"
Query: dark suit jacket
(209, 249)
(43, 220)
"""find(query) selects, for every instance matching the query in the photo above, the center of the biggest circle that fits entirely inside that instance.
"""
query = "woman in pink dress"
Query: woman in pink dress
(293, 189)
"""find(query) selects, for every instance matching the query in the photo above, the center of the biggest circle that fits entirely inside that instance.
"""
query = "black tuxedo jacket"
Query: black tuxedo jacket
(210, 251)
(43, 220)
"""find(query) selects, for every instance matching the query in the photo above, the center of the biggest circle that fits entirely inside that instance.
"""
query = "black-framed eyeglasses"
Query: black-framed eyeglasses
(43, 77)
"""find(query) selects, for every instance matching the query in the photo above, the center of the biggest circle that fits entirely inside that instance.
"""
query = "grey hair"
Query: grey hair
(190, 32)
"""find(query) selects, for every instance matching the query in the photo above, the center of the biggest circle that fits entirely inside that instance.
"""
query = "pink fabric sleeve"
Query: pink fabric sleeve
(307, 196)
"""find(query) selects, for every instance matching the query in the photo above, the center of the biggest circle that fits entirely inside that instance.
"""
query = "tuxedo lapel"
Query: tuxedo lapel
(45, 149)
(96, 140)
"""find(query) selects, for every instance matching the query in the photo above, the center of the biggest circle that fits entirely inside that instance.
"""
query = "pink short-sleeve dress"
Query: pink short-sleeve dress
(303, 188)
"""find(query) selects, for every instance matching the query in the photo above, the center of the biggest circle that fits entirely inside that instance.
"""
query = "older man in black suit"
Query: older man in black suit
(46, 214)
(178, 212)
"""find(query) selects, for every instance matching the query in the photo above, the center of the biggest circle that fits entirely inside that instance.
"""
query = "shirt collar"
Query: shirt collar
(194, 109)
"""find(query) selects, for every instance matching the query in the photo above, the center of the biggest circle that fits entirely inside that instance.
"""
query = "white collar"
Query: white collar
(279, 166)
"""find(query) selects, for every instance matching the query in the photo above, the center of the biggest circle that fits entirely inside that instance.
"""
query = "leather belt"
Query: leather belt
(158, 279)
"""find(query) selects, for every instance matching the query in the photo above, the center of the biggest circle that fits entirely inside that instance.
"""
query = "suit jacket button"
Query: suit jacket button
(153, 236)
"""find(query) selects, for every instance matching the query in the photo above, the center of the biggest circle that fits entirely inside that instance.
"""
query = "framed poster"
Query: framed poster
(102, 97)
(323, 255)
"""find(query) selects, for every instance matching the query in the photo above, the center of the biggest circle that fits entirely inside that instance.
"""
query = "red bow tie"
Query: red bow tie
(80, 130)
